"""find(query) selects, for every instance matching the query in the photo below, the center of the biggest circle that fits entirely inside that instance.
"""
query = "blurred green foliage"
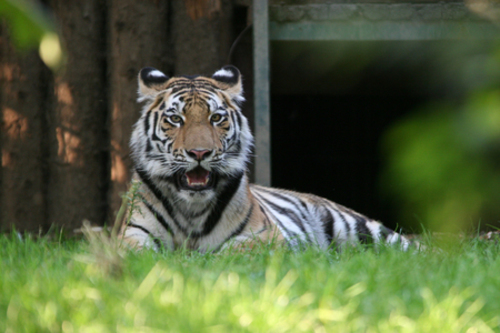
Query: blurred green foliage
(443, 161)
(27, 22)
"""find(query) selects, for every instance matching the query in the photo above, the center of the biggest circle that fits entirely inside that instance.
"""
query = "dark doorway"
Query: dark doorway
(332, 102)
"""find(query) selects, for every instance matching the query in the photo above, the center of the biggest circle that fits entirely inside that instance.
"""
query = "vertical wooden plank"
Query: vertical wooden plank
(202, 35)
(138, 38)
(23, 187)
(78, 130)
(262, 93)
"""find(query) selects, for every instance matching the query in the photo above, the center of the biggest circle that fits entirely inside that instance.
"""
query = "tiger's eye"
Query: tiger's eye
(216, 117)
(175, 119)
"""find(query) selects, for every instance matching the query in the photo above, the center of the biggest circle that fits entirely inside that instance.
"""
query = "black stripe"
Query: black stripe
(238, 230)
(158, 243)
(133, 225)
(290, 214)
(222, 202)
(363, 233)
(189, 84)
(385, 232)
(347, 226)
(192, 215)
(157, 193)
(230, 102)
(146, 122)
(229, 146)
(158, 216)
(177, 90)
(156, 157)
(205, 104)
(231, 138)
(155, 123)
(266, 220)
(288, 234)
(261, 231)
(238, 118)
(155, 240)
(238, 146)
(328, 226)
(298, 220)
(169, 179)
(304, 206)
(232, 114)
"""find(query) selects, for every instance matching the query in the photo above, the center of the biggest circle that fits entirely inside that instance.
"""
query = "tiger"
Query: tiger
(190, 149)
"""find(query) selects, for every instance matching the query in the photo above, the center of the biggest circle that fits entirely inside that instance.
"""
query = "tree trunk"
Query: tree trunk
(138, 38)
(65, 157)
(79, 138)
(23, 101)
(201, 44)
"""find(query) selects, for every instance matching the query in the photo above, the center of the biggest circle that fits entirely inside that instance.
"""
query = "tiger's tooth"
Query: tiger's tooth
(191, 183)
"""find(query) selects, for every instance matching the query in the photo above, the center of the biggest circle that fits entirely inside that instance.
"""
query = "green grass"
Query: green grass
(71, 286)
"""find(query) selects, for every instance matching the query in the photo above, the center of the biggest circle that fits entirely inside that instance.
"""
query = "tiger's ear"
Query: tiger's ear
(229, 79)
(151, 81)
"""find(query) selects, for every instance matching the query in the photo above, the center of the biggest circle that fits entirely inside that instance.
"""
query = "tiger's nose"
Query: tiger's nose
(199, 154)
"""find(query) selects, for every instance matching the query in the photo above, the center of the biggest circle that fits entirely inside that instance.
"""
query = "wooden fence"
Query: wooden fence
(65, 135)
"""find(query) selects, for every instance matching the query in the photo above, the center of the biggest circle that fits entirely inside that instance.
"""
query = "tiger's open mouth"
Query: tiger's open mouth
(197, 179)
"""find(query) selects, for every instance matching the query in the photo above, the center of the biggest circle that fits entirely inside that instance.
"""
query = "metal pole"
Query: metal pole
(261, 93)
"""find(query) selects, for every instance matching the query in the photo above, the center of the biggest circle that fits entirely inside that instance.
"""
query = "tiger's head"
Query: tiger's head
(192, 133)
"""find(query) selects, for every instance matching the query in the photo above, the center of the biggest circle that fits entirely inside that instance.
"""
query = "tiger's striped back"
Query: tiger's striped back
(306, 218)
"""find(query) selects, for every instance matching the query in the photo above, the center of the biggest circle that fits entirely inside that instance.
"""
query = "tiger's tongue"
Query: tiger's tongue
(198, 176)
